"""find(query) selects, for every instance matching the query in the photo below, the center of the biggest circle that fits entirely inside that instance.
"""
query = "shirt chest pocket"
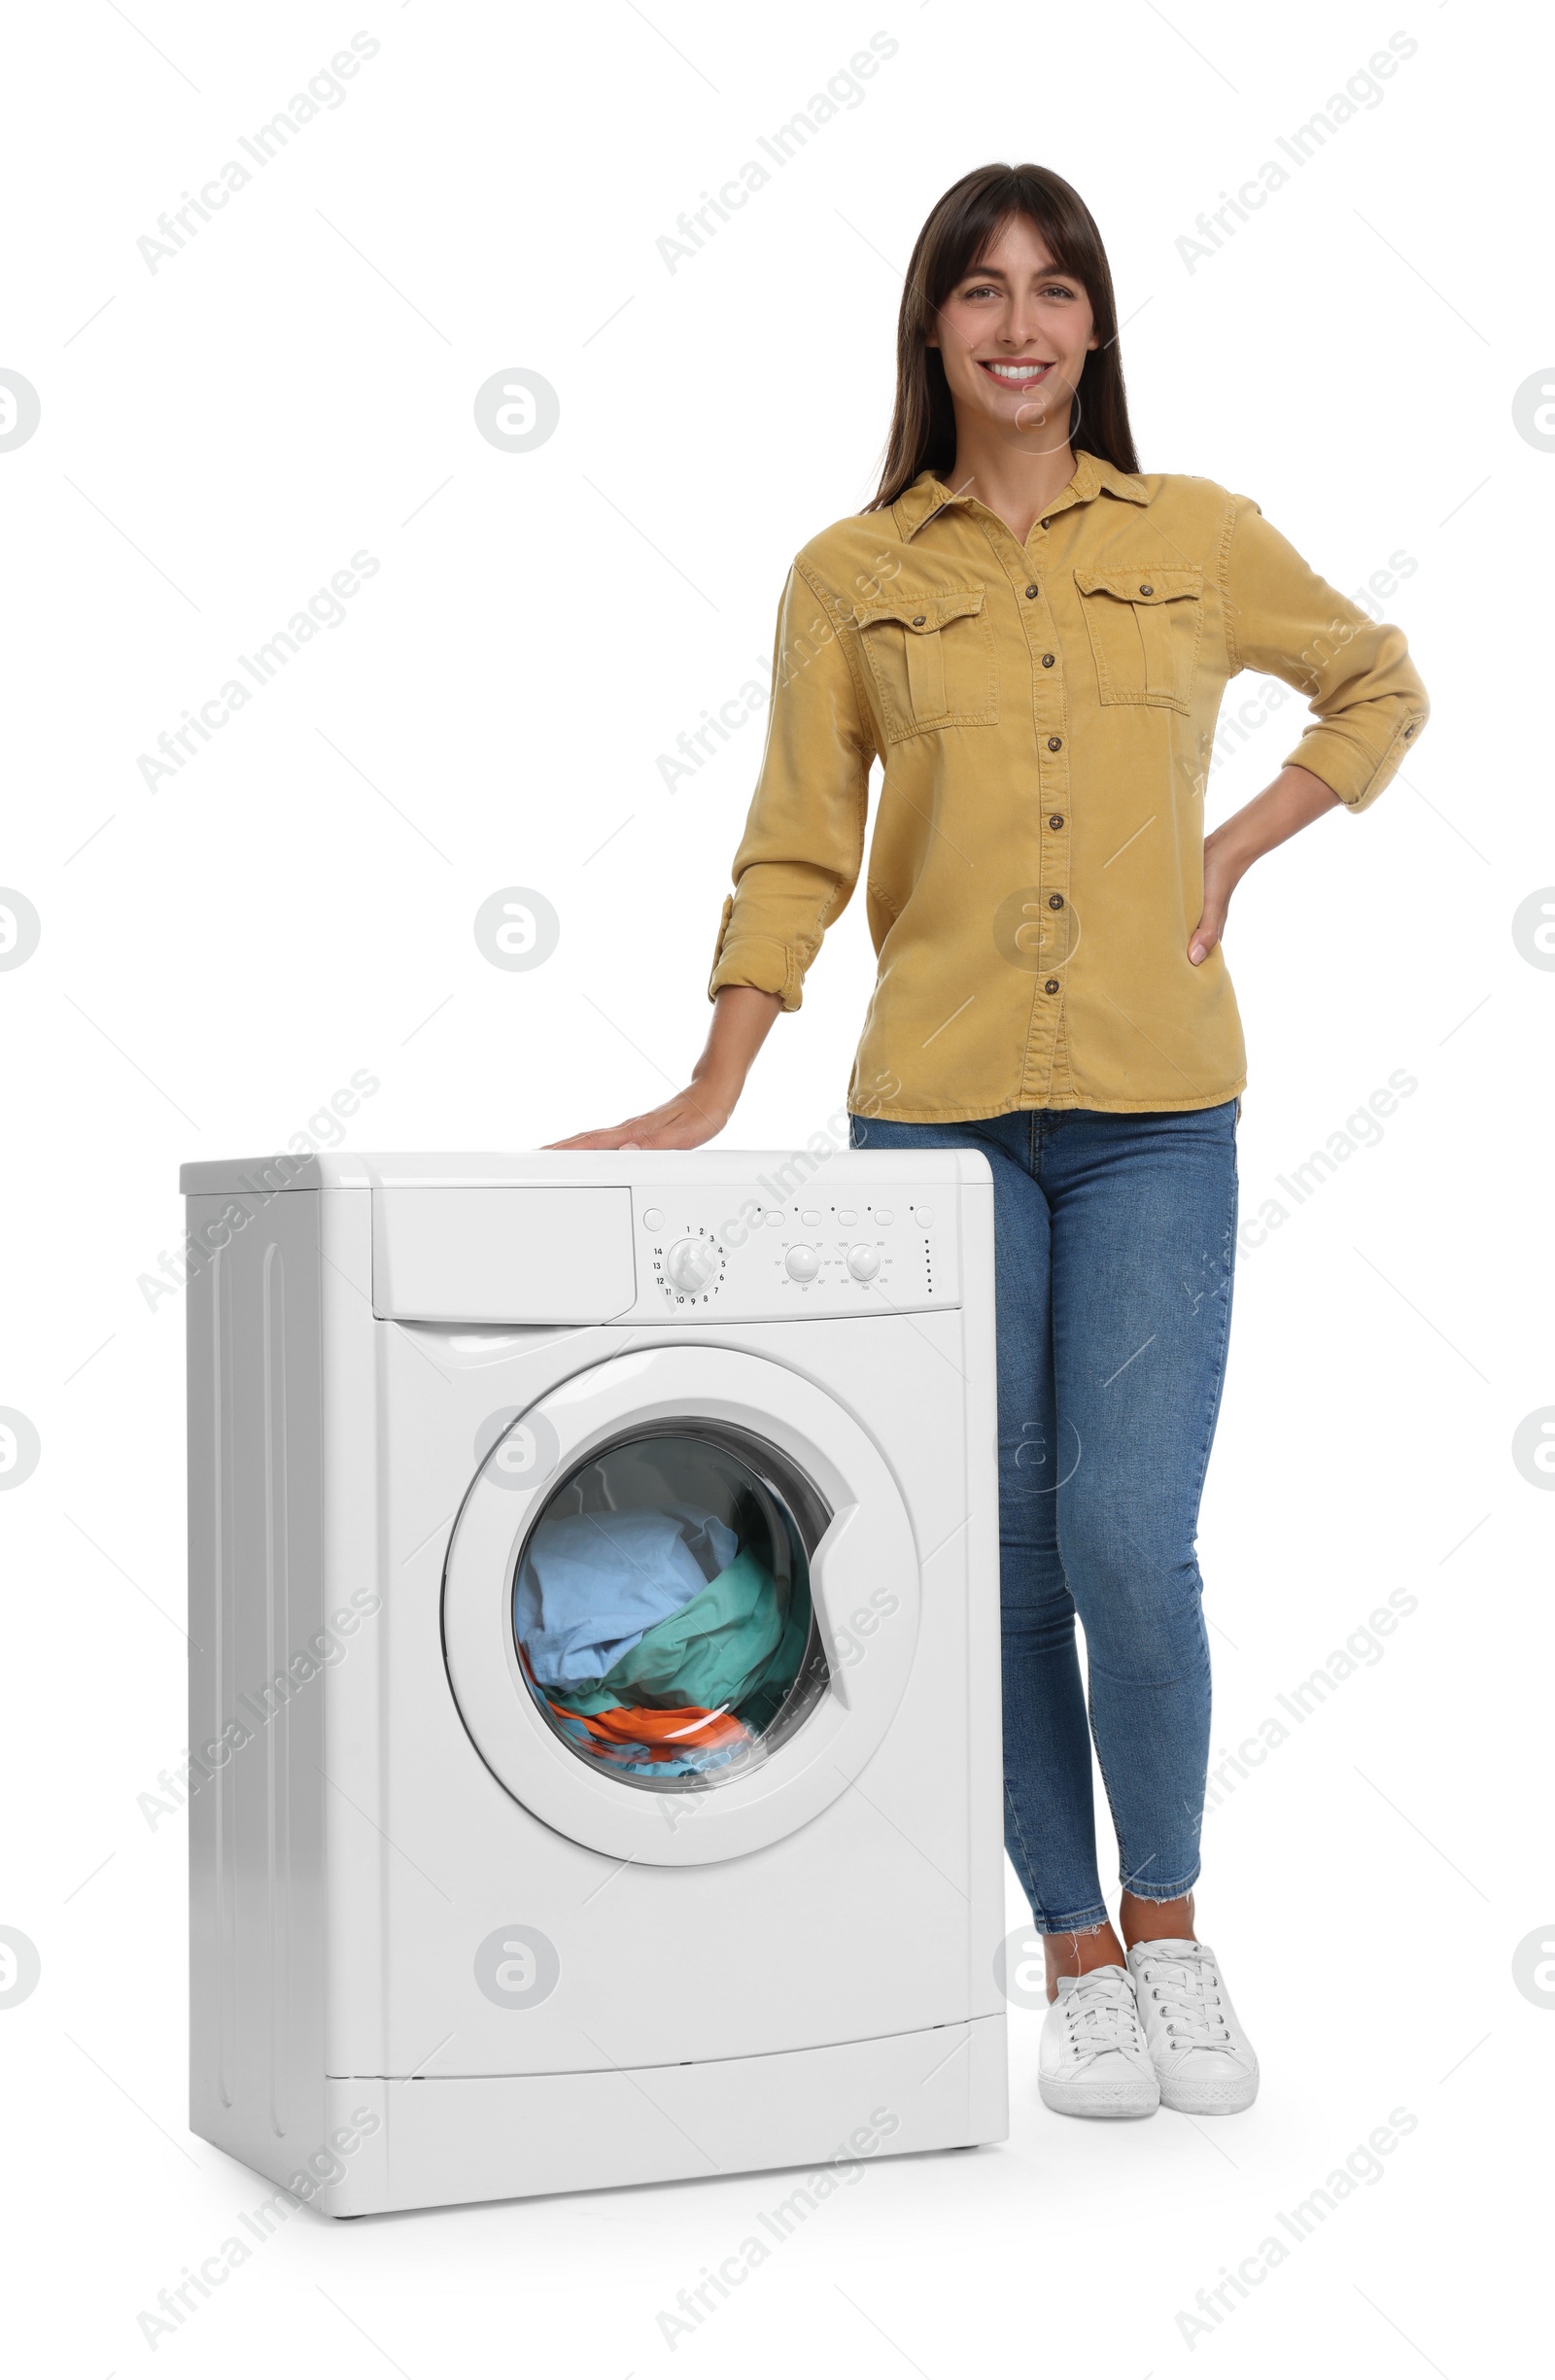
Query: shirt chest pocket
(931, 659)
(1145, 625)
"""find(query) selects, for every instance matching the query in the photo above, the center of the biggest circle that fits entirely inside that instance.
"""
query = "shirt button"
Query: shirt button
(1048, 660)
(918, 622)
(1047, 524)
(1407, 733)
(1055, 744)
(1147, 590)
(1057, 821)
(1051, 983)
(1031, 593)
(1055, 899)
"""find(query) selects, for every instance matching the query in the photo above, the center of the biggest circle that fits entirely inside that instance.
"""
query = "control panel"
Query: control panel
(894, 1252)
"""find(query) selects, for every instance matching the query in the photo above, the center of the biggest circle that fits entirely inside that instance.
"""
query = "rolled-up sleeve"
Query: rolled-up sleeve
(803, 846)
(1367, 695)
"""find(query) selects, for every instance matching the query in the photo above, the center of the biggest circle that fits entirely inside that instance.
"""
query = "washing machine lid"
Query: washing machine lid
(863, 1578)
(331, 1169)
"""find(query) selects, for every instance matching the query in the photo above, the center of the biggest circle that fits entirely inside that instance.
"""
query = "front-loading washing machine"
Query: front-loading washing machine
(593, 1694)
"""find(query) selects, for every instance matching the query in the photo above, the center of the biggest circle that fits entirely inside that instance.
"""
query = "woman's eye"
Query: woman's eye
(985, 289)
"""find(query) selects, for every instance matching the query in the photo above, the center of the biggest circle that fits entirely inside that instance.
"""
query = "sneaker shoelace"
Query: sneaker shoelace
(1101, 2015)
(1185, 1988)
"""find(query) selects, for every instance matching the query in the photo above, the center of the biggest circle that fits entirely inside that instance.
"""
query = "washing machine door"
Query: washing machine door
(680, 1605)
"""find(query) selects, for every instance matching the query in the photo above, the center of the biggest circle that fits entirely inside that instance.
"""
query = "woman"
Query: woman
(1035, 637)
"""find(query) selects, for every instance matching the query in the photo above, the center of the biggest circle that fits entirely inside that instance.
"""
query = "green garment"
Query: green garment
(770, 1692)
(710, 1655)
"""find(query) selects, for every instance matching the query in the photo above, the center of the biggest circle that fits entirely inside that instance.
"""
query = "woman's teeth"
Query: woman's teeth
(1016, 375)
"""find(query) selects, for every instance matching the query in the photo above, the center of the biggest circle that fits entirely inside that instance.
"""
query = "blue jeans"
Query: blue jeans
(1115, 1239)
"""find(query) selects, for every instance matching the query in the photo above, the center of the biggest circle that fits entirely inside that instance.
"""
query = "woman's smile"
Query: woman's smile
(1020, 373)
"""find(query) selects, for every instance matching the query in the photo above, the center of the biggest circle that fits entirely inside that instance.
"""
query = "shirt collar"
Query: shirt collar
(1093, 476)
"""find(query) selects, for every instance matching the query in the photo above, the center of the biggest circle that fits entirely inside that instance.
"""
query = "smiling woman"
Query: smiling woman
(1033, 636)
(975, 277)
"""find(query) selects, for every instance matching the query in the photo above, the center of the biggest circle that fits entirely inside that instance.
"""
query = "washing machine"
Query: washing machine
(461, 1429)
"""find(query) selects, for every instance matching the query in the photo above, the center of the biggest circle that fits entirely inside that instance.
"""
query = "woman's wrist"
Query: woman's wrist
(1231, 853)
(741, 1016)
(1291, 801)
(717, 1089)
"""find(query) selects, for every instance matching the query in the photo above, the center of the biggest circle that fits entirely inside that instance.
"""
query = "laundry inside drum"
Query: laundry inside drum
(662, 1606)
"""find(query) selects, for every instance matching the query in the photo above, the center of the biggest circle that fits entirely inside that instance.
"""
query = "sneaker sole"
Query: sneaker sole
(1113, 2099)
(1211, 2098)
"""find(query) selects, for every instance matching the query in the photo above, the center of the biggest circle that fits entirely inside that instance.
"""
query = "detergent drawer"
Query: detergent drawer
(520, 1253)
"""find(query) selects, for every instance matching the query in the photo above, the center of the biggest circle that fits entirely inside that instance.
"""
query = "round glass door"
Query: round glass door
(661, 1607)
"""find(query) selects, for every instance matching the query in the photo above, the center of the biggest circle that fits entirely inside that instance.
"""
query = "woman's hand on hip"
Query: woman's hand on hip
(1221, 876)
(1293, 800)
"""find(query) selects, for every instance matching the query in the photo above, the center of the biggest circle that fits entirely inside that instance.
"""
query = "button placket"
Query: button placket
(1050, 744)
(1052, 773)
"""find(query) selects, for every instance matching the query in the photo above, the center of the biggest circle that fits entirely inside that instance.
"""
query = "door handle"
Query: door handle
(834, 1571)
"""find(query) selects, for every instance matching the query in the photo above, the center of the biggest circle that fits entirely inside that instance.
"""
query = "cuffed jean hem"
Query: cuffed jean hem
(1141, 1891)
(1085, 1924)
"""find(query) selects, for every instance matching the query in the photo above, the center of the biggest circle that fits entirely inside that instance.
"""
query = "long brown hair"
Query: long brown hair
(960, 225)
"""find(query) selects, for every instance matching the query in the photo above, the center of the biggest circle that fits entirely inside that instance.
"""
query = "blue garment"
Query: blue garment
(1113, 1242)
(592, 1584)
(710, 1655)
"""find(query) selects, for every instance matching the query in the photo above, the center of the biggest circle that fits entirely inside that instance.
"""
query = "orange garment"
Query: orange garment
(688, 1726)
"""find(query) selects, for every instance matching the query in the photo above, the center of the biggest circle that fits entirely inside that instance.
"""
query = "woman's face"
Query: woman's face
(1014, 335)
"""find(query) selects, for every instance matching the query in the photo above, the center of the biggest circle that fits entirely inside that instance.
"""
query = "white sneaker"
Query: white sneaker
(1203, 2059)
(1094, 2059)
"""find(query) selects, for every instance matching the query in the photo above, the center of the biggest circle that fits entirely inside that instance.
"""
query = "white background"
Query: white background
(295, 903)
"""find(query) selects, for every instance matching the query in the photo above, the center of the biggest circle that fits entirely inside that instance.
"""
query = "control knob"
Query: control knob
(863, 1261)
(691, 1264)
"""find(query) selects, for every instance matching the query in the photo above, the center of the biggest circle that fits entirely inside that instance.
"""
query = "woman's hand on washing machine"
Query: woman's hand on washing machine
(685, 1121)
(742, 1019)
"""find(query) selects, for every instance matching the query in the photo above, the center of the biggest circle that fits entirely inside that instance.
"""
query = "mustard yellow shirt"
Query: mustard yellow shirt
(1044, 713)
